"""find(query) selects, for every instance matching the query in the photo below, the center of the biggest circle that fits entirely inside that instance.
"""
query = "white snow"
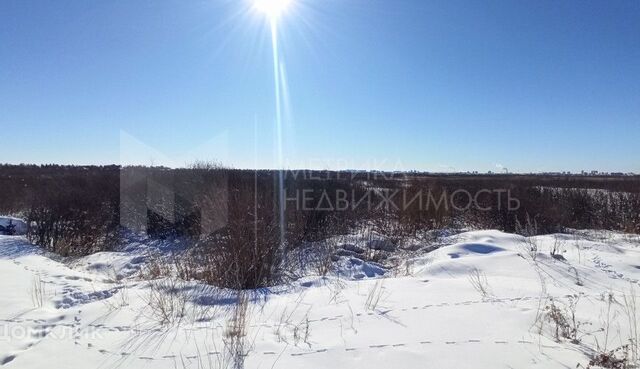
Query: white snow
(427, 313)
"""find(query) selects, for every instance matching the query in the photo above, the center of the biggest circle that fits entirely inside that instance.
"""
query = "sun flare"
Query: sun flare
(272, 8)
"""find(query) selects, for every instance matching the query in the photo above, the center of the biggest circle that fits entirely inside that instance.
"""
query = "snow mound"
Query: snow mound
(112, 265)
(356, 268)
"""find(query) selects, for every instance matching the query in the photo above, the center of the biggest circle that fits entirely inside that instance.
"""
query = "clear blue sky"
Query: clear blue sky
(384, 84)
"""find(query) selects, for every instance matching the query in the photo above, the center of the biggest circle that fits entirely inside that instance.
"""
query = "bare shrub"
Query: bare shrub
(167, 299)
(478, 280)
(75, 215)
(630, 308)
(335, 287)
(576, 242)
(539, 319)
(577, 276)
(609, 316)
(566, 324)
(408, 267)
(155, 268)
(574, 324)
(235, 334)
(292, 332)
(322, 256)
(614, 359)
(556, 316)
(247, 252)
(528, 231)
(624, 356)
(558, 247)
(122, 297)
(531, 247)
(38, 292)
(302, 331)
(374, 296)
(529, 228)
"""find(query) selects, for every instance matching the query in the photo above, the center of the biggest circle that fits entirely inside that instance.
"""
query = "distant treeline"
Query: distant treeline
(75, 210)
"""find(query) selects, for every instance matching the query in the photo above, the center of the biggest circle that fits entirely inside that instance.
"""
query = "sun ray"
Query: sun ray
(272, 8)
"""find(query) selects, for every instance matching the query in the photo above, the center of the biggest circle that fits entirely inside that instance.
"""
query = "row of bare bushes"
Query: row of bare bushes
(70, 212)
(232, 223)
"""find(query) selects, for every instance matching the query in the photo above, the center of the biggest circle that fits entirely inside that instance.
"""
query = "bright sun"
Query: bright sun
(272, 8)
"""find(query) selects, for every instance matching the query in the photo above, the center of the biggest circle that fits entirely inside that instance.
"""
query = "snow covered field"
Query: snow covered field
(484, 301)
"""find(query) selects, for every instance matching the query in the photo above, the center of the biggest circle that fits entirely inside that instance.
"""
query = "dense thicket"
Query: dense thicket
(232, 218)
